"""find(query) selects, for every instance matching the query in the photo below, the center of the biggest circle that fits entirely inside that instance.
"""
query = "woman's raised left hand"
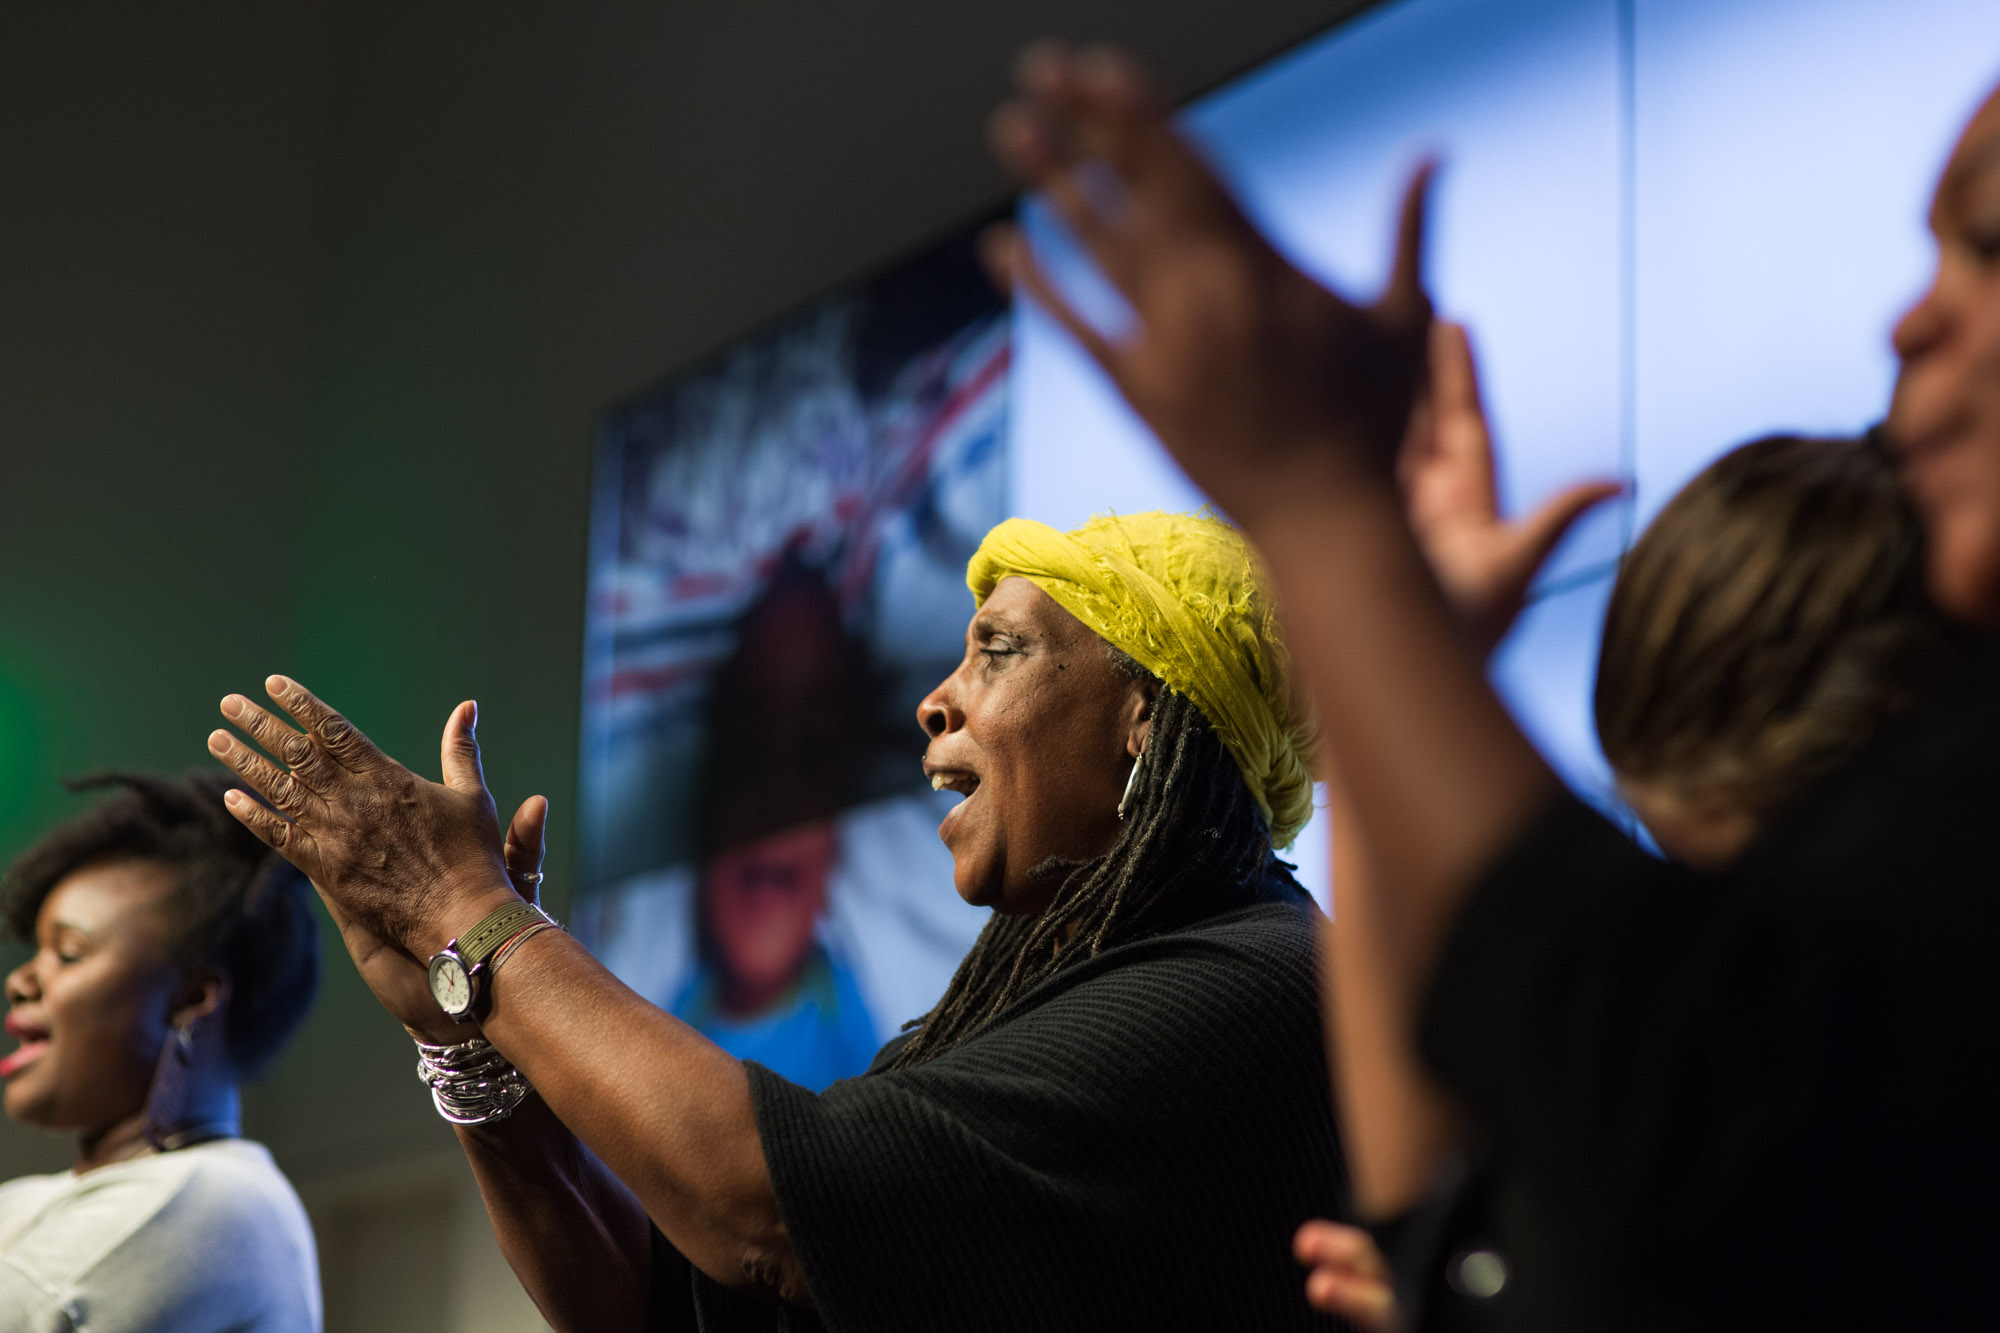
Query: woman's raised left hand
(408, 861)
(1483, 562)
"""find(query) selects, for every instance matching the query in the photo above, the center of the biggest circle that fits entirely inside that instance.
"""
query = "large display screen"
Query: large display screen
(777, 576)
(1672, 225)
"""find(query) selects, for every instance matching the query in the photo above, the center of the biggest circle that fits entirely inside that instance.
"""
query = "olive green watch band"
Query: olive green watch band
(476, 946)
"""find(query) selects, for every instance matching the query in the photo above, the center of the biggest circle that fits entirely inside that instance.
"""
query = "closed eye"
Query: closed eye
(996, 657)
(997, 646)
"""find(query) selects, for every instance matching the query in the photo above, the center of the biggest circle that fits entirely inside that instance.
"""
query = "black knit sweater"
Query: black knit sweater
(1131, 1146)
(1762, 1099)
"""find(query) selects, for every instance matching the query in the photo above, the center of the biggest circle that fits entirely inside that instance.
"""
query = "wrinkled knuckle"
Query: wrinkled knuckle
(295, 748)
(295, 701)
(255, 725)
(286, 792)
(276, 831)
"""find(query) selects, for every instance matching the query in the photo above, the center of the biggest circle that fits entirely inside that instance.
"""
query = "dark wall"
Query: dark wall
(305, 314)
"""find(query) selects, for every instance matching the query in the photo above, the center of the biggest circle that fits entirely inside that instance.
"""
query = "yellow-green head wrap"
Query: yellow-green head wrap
(1185, 597)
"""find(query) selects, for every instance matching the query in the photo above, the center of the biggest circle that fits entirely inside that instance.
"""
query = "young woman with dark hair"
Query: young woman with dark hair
(174, 955)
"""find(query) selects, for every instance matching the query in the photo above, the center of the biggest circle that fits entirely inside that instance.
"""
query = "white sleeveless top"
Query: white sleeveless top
(200, 1240)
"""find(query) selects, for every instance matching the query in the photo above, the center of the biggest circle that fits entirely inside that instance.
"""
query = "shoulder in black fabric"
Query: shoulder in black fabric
(1710, 1091)
(1131, 1144)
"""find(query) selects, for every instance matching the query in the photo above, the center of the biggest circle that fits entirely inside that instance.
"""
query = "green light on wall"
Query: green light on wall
(19, 751)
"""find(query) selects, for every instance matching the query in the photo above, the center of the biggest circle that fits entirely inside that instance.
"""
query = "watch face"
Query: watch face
(450, 986)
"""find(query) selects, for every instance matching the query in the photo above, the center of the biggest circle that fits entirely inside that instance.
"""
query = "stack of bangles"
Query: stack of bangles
(470, 1082)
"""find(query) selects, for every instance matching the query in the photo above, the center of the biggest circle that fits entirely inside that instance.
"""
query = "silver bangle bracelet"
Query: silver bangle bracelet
(507, 949)
(470, 1082)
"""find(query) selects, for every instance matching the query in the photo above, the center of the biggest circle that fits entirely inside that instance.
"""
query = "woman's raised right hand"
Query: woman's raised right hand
(400, 980)
(403, 864)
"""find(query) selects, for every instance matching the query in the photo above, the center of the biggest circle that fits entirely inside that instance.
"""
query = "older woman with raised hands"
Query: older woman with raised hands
(1749, 1099)
(1115, 1116)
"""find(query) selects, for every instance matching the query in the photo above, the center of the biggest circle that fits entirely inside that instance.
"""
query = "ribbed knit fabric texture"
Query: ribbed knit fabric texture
(1131, 1146)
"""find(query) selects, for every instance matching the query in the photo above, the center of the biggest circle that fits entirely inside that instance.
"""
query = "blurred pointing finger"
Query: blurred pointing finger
(1008, 252)
(1405, 299)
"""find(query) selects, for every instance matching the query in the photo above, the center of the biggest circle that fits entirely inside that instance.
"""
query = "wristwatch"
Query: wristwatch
(460, 971)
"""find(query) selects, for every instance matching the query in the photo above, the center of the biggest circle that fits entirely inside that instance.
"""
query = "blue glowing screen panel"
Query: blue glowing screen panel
(1787, 150)
(1672, 226)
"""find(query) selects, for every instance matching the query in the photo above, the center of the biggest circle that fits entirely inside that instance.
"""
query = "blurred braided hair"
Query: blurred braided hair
(1194, 838)
(234, 904)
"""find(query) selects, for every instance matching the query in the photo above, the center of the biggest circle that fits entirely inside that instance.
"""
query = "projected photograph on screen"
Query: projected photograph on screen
(778, 575)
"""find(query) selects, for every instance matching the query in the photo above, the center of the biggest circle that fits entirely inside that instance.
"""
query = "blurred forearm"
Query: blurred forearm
(1438, 779)
(576, 1238)
(1396, 1123)
(664, 1109)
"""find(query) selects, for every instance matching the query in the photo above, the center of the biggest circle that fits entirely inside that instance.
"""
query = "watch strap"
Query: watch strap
(476, 946)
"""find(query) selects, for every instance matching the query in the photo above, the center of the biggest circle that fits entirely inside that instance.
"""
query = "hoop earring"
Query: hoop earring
(166, 1104)
(1131, 785)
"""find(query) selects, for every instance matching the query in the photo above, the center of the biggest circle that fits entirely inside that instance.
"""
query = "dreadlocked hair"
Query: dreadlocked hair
(1193, 842)
(234, 904)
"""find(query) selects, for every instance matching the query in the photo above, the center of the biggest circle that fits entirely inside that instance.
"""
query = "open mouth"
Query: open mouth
(32, 1045)
(953, 780)
(946, 779)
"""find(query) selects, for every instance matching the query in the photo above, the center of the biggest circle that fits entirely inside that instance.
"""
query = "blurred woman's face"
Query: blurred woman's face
(1945, 422)
(92, 1007)
(1036, 728)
